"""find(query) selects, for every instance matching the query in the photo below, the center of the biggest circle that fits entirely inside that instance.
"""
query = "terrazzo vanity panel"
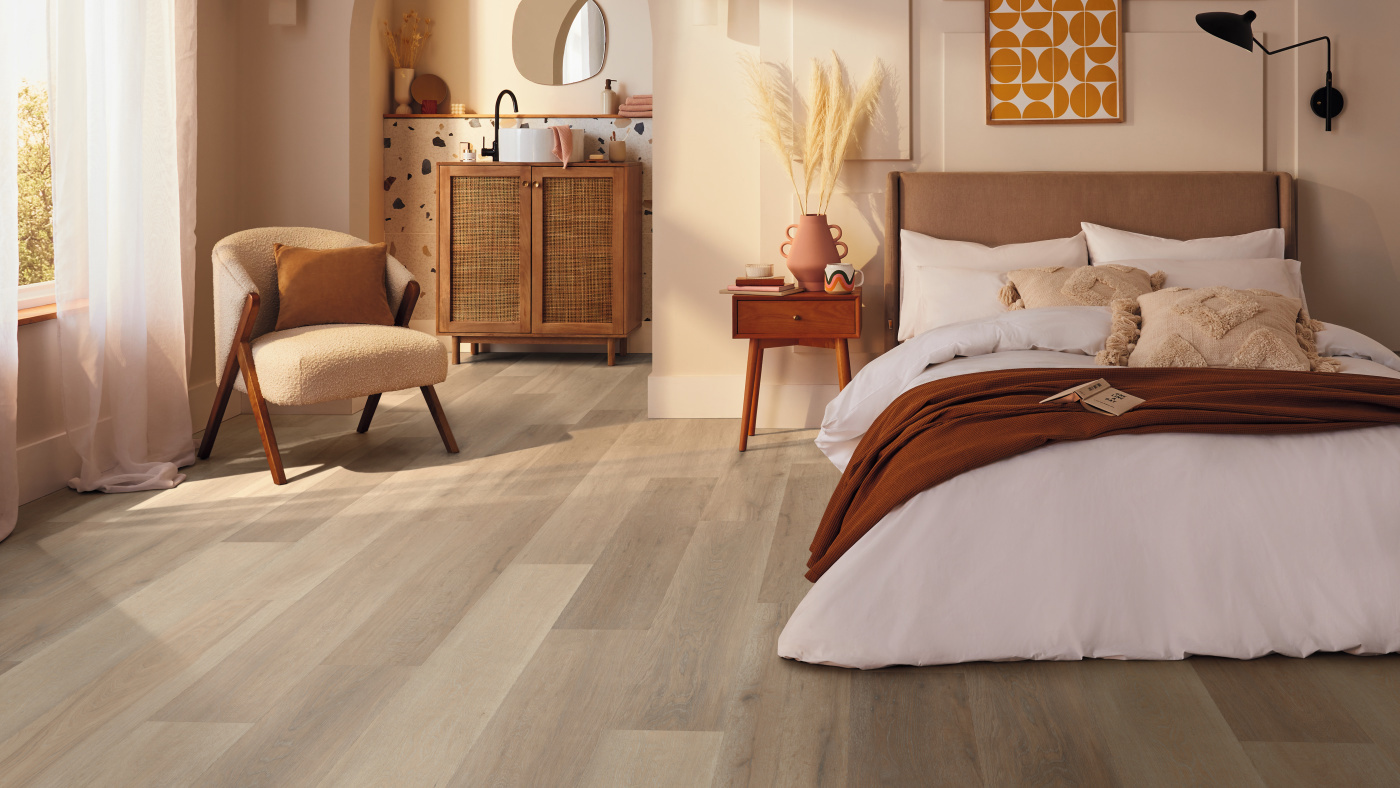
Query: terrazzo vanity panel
(418, 253)
(412, 146)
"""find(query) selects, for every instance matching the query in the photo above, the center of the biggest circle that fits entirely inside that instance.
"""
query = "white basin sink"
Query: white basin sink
(536, 145)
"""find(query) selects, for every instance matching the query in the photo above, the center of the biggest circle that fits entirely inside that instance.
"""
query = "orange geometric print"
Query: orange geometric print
(1054, 60)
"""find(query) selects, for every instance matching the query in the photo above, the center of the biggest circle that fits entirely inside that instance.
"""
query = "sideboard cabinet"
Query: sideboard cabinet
(534, 254)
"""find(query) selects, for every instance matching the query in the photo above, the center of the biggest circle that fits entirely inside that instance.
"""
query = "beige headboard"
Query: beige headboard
(995, 208)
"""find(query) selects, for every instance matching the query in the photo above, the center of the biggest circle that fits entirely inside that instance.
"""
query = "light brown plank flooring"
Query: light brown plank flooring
(581, 597)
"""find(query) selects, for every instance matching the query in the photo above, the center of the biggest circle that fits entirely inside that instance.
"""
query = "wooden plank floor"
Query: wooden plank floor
(581, 597)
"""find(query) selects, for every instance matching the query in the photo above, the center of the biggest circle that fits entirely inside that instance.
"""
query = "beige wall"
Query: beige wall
(1350, 201)
(471, 51)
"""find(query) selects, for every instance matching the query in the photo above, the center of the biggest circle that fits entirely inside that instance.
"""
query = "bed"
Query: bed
(1151, 546)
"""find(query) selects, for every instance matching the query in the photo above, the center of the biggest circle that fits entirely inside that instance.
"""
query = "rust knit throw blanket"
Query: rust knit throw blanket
(941, 429)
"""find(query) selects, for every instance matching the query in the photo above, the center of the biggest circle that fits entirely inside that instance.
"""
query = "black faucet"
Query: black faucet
(494, 150)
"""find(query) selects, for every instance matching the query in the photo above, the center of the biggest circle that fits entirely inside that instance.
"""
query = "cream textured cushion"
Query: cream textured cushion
(311, 364)
(1093, 285)
(1214, 327)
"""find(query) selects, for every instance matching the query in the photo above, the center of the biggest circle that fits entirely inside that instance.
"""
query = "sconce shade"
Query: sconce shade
(1236, 28)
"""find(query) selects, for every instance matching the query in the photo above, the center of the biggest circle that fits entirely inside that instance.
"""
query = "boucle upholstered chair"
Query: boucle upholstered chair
(311, 364)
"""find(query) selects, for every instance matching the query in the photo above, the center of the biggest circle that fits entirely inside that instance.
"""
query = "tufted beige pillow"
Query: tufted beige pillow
(1213, 327)
(1093, 285)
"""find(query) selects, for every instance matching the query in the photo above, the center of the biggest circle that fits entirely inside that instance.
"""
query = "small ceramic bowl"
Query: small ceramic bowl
(758, 270)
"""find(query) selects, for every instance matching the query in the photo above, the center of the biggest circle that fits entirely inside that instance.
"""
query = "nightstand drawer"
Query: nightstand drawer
(780, 317)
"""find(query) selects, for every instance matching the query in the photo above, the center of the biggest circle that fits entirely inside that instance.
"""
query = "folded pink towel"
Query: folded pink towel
(563, 144)
(634, 113)
(636, 103)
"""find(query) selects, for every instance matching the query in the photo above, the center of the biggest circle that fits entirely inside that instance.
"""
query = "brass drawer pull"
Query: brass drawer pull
(797, 317)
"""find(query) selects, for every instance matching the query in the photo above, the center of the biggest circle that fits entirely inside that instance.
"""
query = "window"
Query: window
(35, 168)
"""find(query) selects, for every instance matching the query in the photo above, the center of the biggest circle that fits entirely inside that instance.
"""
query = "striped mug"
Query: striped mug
(842, 278)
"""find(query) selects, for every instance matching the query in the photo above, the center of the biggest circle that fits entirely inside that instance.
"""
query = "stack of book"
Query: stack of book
(769, 286)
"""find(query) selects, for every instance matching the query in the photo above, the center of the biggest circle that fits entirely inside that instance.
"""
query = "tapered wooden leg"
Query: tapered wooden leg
(843, 364)
(457, 350)
(476, 349)
(367, 415)
(216, 413)
(260, 415)
(622, 346)
(439, 418)
(612, 352)
(748, 397)
(757, 378)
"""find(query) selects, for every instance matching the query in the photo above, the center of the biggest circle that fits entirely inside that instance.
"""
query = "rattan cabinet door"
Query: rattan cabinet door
(578, 250)
(484, 243)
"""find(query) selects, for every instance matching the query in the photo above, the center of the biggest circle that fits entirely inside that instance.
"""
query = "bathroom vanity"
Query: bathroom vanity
(539, 254)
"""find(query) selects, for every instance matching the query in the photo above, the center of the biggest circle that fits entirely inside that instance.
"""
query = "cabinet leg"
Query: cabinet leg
(622, 346)
(843, 364)
(456, 350)
(757, 378)
(747, 413)
(612, 352)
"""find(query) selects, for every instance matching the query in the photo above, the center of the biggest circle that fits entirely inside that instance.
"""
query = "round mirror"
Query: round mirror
(558, 42)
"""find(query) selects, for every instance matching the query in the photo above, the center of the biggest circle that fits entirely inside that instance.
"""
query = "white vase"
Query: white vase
(403, 80)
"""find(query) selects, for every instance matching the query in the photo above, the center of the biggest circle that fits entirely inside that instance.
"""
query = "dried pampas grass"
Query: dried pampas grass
(772, 101)
(832, 118)
(408, 42)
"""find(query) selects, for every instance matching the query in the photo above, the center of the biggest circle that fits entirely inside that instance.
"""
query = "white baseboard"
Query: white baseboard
(780, 405)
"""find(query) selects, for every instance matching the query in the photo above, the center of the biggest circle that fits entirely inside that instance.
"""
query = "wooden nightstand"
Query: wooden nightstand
(811, 319)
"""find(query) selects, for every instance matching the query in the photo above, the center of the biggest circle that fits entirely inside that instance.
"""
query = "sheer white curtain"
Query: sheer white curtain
(121, 82)
(9, 261)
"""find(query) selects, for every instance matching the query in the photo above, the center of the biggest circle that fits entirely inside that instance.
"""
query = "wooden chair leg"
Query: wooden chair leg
(367, 415)
(260, 415)
(439, 418)
(221, 397)
(216, 413)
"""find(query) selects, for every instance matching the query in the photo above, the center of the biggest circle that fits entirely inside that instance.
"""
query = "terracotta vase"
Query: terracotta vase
(813, 248)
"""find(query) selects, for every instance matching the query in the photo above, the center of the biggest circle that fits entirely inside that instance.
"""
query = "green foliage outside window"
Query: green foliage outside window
(35, 186)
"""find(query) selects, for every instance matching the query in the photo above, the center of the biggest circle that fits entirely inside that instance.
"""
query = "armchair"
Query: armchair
(310, 364)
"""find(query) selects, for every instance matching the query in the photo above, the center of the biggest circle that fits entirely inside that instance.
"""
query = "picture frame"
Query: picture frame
(1054, 61)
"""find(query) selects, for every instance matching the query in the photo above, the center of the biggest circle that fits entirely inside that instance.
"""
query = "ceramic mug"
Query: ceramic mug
(842, 278)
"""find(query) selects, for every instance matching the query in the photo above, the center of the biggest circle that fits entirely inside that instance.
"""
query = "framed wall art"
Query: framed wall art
(1054, 61)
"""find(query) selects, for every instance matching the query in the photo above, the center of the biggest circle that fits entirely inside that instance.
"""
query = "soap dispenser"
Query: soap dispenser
(609, 97)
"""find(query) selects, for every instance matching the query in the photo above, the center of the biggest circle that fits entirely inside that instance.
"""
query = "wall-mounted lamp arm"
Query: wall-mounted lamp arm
(1326, 92)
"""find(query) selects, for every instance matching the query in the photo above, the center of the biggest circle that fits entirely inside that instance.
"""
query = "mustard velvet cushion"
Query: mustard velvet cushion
(324, 286)
(1092, 285)
(1214, 327)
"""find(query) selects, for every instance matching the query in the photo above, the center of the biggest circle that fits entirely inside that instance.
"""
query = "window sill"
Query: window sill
(38, 314)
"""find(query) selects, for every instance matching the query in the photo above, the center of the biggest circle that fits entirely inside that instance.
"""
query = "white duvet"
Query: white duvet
(1133, 546)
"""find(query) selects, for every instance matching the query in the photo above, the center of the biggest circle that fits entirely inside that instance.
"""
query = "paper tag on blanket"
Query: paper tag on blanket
(1099, 397)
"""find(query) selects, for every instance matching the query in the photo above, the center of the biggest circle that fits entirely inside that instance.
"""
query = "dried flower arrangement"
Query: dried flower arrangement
(407, 44)
(832, 118)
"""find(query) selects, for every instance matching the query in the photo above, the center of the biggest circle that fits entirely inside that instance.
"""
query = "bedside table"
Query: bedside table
(811, 319)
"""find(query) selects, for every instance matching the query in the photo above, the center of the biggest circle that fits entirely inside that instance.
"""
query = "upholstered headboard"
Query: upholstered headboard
(995, 208)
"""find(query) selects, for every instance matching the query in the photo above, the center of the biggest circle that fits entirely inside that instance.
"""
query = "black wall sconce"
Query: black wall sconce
(1326, 101)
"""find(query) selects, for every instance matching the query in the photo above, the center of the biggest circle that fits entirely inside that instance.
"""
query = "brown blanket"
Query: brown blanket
(941, 429)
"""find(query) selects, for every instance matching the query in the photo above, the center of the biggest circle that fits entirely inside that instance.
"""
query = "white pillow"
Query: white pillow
(933, 297)
(929, 299)
(1107, 245)
(1284, 277)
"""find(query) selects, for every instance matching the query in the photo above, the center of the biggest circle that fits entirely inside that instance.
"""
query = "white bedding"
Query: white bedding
(1133, 546)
